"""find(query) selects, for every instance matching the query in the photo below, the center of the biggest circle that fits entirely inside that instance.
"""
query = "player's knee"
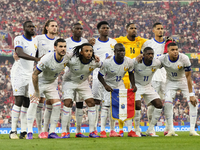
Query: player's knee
(90, 102)
(19, 101)
(157, 103)
(138, 105)
(26, 102)
(97, 102)
(68, 102)
(79, 105)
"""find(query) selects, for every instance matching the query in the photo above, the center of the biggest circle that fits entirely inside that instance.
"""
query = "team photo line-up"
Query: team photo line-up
(154, 69)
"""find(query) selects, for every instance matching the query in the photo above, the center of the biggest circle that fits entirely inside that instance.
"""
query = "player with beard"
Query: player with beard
(25, 47)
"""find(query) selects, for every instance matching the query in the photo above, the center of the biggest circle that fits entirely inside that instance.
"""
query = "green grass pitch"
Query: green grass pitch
(182, 142)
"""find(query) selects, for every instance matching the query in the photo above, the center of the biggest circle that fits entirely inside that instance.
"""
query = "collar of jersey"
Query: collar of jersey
(116, 62)
(86, 63)
(56, 59)
(159, 42)
(75, 41)
(26, 38)
(145, 64)
(103, 41)
(49, 38)
(173, 61)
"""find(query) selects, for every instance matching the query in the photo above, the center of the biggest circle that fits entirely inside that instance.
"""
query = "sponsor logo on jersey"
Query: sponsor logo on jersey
(99, 48)
(91, 69)
(153, 70)
(179, 66)
(43, 44)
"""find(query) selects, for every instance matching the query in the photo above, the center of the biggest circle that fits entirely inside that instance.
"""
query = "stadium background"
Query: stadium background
(181, 20)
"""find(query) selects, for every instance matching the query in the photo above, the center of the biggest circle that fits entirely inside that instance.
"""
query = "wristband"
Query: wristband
(191, 94)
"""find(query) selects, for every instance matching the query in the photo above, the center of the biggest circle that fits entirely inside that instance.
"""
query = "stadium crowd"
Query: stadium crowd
(186, 27)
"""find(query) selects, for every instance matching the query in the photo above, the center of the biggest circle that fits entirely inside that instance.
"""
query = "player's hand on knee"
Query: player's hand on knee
(139, 58)
(108, 88)
(193, 101)
(35, 98)
(97, 59)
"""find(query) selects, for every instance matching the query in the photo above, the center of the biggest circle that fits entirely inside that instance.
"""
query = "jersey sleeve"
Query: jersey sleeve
(187, 63)
(143, 46)
(41, 64)
(18, 42)
(103, 69)
(120, 39)
(131, 65)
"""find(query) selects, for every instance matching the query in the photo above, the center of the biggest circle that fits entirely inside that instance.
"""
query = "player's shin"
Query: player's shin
(193, 116)
(55, 116)
(150, 112)
(91, 116)
(97, 116)
(155, 117)
(47, 115)
(129, 124)
(104, 115)
(31, 113)
(23, 119)
(137, 121)
(39, 117)
(15, 116)
(168, 111)
(79, 117)
(65, 117)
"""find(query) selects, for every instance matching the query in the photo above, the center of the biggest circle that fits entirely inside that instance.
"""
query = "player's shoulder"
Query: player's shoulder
(19, 37)
(183, 56)
(156, 61)
(42, 36)
(112, 40)
(138, 38)
(68, 39)
(84, 40)
(48, 56)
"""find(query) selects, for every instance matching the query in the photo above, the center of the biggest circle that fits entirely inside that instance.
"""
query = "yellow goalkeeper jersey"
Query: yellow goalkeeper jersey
(133, 48)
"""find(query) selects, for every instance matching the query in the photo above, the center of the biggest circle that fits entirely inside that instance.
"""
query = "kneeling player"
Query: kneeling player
(110, 75)
(143, 75)
(80, 66)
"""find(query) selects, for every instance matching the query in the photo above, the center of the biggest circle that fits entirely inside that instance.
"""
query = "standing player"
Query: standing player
(26, 48)
(143, 75)
(75, 40)
(49, 67)
(133, 45)
(110, 75)
(159, 77)
(45, 44)
(103, 48)
(80, 66)
(178, 68)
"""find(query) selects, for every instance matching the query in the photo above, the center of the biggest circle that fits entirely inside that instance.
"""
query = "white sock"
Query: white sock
(39, 117)
(55, 115)
(104, 115)
(91, 117)
(112, 121)
(79, 117)
(31, 113)
(137, 120)
(168, 111)
(129, 124)
(97, 117)
(193, 116)
(23, 119)
(15, 117)
(47, 115)
(150, 112)
(65, 117)
(155, 117)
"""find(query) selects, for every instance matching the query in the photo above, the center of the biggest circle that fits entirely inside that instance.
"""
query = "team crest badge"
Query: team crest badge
(179, 67)
(65, 64)
(138, 44)
(112, 47)
(153, 70)
(91, 69)
(35, 47)
(125, 69)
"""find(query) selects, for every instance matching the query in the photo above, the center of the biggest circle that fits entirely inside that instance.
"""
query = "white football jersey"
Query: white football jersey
(25, 67)
(44, 44)
(176, 70)
(71, 43)
(114, 72)
(158, 47)
(104, 49)
(143, 73)
(78, 72)
(51, 67)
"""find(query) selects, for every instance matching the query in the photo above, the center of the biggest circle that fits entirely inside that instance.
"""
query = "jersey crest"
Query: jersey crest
(91, 69)
(153, 69)
(125, 69)
(112, 46)
(65, 64)
(180, 67)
